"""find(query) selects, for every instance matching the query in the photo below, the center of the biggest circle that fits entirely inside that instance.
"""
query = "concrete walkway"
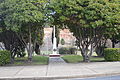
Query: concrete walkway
(58, 69)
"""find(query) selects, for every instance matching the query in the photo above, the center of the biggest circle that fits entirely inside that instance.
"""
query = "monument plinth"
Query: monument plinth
(55, 51)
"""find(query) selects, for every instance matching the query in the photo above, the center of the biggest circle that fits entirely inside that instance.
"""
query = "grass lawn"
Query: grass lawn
(37, 60)
(78, 58)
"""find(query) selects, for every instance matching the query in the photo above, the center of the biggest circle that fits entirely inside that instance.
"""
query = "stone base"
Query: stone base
(54, 55)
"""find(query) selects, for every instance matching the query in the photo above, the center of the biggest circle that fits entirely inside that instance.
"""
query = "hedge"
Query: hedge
(62, 41)
(4, 57)
(67, 50)
(112, 54)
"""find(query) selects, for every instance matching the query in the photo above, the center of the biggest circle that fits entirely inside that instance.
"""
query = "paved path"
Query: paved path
(56, 61)
(58, 69)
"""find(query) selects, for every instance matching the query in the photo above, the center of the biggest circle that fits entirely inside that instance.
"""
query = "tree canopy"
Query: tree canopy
(25, 16)
(87, 19)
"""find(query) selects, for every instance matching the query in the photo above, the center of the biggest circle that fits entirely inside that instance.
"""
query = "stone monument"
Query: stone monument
(55, 51)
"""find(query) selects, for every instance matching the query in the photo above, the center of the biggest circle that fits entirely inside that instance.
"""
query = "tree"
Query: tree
(115, 38)
(111, 33)
(87, 19)
(62, 41)
(12, 43)
(27, 15)
(40, 36)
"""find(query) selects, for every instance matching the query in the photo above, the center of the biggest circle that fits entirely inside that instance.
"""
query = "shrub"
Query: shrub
(38, 53)
(62, 41)
(73, 50)
(23, 54)
(63, 50)
(4, 57)
(67, 50)
(112, 54)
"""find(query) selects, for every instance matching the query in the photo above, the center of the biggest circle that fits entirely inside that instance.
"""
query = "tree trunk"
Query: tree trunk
(37, 49)
(11, 59)
(113, 44)
(30, 53)
(100, 48)
(100, 51)
(86, 58)
(30, 46)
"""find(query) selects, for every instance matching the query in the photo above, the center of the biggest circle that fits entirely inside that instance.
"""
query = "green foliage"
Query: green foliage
(37, 34)
(4, 57)
(12, 43)
(0, 30)
(23, 54)
(112, 54)
(89, 20)
(62, 41)
(40, 36)
(67, 50)
(19, 15)
(17, 12)
(63, 51)
(86, 13)
(38, 53)
(26, 17)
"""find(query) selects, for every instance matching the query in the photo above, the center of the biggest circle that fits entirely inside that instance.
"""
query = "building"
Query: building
(64, 34)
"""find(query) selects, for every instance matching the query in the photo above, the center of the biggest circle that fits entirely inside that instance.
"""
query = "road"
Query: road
(102, 78)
